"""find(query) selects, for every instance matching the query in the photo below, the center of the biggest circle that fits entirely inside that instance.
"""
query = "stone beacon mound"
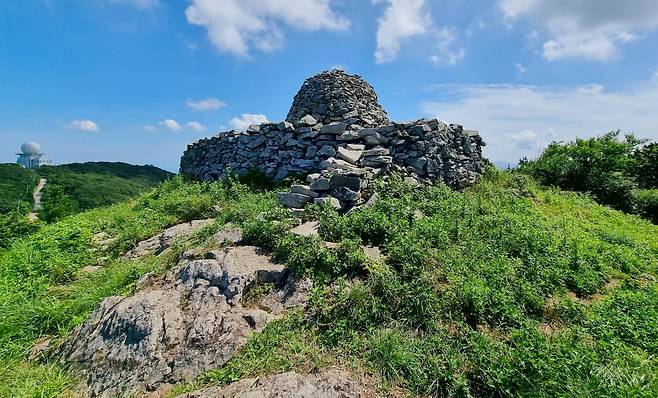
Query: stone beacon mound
(338, 135)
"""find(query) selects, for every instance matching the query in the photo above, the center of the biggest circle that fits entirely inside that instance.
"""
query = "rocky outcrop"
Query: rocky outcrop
(337, 127)
(177, 326)
(157, 244)
(329, 384)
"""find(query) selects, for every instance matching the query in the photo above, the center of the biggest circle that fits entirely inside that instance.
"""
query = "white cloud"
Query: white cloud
(150, 128)
(591, 29)
(196, 126)
(446, 55)
(171, 124)
(402, 19)
(518, 121)
(247, 119)
(83, 125)
(235, 26)
(141, 4)
(519, 66)
(208, 104)
(405, 19)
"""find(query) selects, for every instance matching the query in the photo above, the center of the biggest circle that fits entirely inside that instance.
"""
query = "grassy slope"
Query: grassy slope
(96, 184)
(504, 290)
(16, 185)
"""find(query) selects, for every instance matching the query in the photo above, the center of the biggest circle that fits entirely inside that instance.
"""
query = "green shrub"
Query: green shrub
(647, 204)
(606, 167)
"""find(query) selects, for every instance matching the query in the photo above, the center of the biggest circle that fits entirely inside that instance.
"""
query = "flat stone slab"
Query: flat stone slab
(294, 200)
(310, 228)
(374, 253)
(349, 155)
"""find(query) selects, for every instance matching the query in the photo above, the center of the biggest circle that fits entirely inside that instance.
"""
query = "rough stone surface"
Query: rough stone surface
(294, 200)
(336, 96)
(159, 243)
(176, 326)
(310, 228)
(328, 384)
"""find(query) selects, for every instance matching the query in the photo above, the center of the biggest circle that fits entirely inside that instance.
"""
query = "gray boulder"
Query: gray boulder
(177, 326)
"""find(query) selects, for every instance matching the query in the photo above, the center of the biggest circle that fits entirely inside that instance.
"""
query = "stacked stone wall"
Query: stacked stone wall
(427, 150)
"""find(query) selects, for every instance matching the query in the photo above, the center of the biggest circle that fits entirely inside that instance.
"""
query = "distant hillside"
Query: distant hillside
(16, 185)
(80, 186)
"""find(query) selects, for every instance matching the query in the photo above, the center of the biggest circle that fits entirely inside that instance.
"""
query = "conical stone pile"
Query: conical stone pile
(337, 134)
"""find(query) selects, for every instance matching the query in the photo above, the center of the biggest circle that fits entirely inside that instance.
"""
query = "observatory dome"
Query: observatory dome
(334, 96)
(30, 148)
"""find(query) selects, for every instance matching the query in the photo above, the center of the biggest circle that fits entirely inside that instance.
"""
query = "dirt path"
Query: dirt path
(37, 200)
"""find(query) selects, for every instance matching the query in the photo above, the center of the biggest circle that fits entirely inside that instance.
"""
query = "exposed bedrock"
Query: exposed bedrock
(175, 327)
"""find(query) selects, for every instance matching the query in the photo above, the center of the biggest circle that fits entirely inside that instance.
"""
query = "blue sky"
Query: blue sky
(137, 80)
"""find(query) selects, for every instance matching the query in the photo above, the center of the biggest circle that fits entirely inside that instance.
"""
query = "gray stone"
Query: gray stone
(378, 151)
(306, 121)
(326, 151)
(349, 155)
(377, 161)
(312, 177)
(352, 182)
(293, 200)
(335, 128)
(177, 326)
(355, 147)
(157, 244)
(345, 194)
(348, 136)
(304, 190)
(311, 151)
(309, 228)
(320, 185)
(331, 201)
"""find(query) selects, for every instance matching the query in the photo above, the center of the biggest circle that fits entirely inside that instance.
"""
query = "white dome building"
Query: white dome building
(31, 156)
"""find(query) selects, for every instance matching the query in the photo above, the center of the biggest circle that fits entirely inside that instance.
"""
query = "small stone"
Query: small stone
(293, 200)
(377, 161)
(331, 201)
(355, 147)
(335, 128)
(307, 121)
(303, 190)
(373, 253)
(326, 151)
(353, 183)
(378, 151)
(345, 194)
(321, 184)
(349, 155)
(310, 228)
(348, 136)
(285, 126)
(311, 151)
(312, 177)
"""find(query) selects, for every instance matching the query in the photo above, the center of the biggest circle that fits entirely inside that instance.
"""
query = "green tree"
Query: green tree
(646, 166)
(58, 205)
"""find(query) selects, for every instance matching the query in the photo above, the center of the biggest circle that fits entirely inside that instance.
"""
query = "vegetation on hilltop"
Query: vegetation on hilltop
(622, 173)
(81, 186)
(506, 289)
(16, 186)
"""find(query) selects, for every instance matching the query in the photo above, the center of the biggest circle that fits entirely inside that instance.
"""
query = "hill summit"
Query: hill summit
(338, 135)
